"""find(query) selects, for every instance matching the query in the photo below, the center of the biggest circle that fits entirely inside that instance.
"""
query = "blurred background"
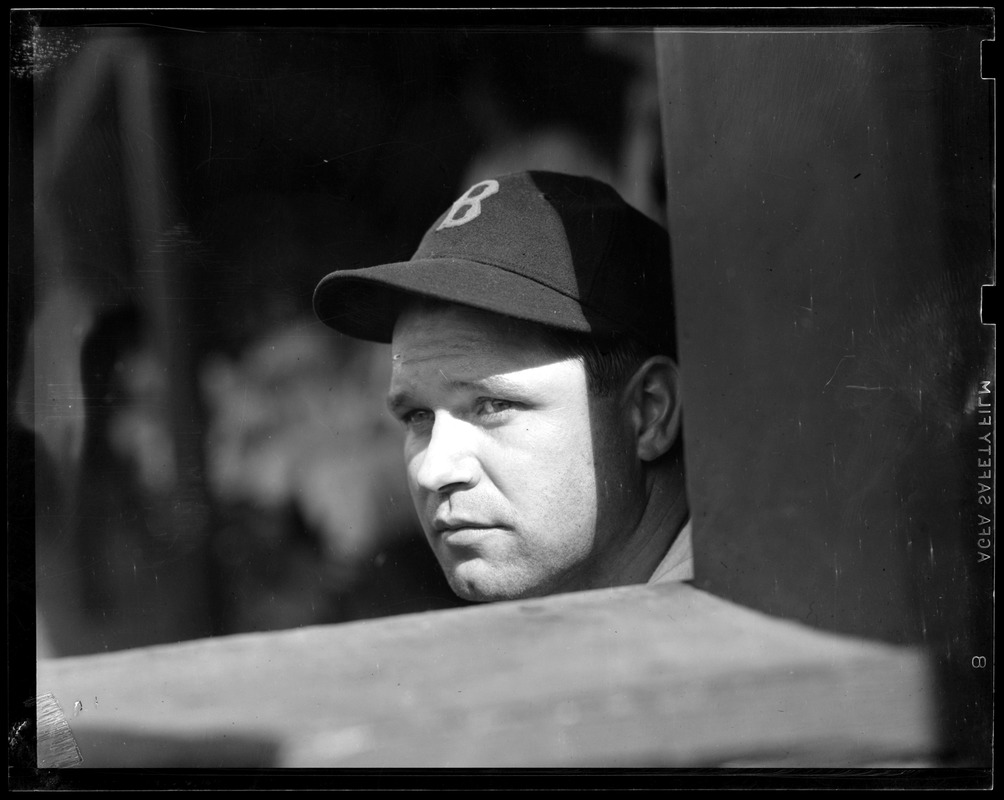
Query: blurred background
(207, 458)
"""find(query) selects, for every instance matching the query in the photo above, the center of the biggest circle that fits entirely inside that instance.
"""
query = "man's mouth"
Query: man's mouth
(452, 525)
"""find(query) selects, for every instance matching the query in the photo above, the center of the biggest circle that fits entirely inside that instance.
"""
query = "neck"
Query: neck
(643, 548)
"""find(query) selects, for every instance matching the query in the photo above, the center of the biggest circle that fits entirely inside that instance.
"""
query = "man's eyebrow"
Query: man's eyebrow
(493, 384)
(396, 400)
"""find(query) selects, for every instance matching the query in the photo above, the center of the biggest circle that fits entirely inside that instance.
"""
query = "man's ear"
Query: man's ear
(653, 397)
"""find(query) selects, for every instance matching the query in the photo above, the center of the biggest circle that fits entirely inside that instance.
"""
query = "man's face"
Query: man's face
(523, 482)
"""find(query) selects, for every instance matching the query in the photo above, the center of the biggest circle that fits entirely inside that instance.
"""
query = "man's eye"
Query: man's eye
(412, 419)
(493, 405)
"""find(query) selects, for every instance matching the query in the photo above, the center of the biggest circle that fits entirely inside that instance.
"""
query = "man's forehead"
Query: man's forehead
(425, 330)
(456, 346)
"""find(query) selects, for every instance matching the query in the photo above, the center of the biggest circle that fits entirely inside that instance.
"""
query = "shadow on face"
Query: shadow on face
(525, 482)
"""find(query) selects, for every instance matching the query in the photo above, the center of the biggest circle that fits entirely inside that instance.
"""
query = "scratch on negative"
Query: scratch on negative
(867, 388)
(834, 375)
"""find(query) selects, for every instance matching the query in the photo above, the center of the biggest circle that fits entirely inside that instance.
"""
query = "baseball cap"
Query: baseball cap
(562, 250)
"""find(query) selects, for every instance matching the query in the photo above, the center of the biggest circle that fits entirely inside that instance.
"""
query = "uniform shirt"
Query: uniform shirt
(678, 563)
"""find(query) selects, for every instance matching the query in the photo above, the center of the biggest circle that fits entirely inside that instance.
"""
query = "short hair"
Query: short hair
(609, 364)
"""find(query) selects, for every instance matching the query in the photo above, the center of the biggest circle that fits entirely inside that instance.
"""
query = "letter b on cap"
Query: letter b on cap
(469, 203)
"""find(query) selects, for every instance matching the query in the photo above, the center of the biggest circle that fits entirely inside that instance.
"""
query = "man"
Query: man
(532, 339)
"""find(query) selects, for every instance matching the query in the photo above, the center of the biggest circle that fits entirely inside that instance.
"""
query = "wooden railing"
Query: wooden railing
(643, 676)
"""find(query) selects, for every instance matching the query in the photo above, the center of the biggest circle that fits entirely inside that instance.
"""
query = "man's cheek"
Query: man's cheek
(412, 463)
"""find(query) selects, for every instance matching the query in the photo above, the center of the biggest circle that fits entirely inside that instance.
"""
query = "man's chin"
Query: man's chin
(476, 587)
(475, 592)
(483, 588)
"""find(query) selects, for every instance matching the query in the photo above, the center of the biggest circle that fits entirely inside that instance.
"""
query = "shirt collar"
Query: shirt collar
(678, 563)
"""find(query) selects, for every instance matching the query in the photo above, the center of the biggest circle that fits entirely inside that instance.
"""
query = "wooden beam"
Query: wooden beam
(642, 676)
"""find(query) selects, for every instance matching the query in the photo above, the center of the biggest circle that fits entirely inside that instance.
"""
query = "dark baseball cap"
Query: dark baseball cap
(561, 250)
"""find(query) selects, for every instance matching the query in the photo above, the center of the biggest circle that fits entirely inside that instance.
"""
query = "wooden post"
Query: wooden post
(829, 203)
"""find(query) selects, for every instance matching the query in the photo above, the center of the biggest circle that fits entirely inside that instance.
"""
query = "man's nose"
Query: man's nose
(448, 462)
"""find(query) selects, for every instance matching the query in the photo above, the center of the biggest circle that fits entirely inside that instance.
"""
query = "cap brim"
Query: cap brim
(365, 303)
